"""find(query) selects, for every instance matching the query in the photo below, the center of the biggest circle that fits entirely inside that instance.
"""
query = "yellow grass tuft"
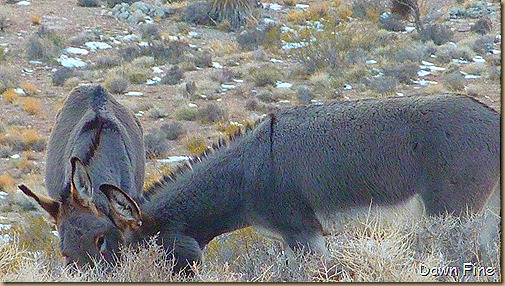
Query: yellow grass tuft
(29, 88)
(195, 145)
(31, 105)
(10, 95)
(7, 183)
(36, 19)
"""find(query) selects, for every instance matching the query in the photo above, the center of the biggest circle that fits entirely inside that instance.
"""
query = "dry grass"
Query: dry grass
(7, 183)
(31, 105)
(22, 139)
(29, 88)
(367, 251)
(10, 95)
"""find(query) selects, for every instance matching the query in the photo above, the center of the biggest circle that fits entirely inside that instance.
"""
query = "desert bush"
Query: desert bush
(404, 73)
(235, 12)
(4, 23)
(171, 52)
(382, 85)
(36, 19)
(116, 84)
(173, 76)
(483, 44)
(251, 104)
(61, 75)
(23, 140)
(212, 113)
(403, 8)
(29, 88)
(203, 59)
(195, 144)
(150, 31)
(304, 95)
(482, 26)
(392, 23)
(134, 74)
(88, 3)
(265, 75)
(156, 112)
(253, 37)
(31, 105)
(368, 9)
(71, 83)
(107, 61)
(172, 131)
(186, 113)
(43, 44)
(198, 13)
(332, 47)
(455, 81)
(8, 78)
(156, 146)
(445, 53)
(438, 33)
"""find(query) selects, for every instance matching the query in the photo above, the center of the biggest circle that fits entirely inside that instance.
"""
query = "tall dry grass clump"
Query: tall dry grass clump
(235, 12)
(366, 250)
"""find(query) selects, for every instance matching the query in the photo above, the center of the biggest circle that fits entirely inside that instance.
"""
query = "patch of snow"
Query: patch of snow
(288, 45)
(174, 159)
(495, 52)
(130, 37)
(459, 61)
(236, 123)
(3, 195)
(23, 3)
(157, 70)
(433, 56)
(286, 29)
(20, 91)
(76, 51)
(371, 62)
(399, 94)
(276, 61)
(26, 70)
(154, 80)
(134, 93)
(203, 96)
(427, 63)
(217, 65)
(409, 29)
(423, 73)
(424, 82)
(192, 105)
(281, 84)
(268, 21)
(144, 44)
(37, 63)
(193, 46)
(347, 87)
(97, 45)
(15, 156)
(5, 238)
(479, 59)
(238, 80)
(55, 233)
(227, 86)
(193, 34)
(5, 226)
(219, 99)
(271, 6)
(284, 101)
(69, 62)
(302, 6)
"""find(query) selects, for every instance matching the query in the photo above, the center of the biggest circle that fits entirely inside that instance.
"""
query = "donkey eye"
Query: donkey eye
(101, 243)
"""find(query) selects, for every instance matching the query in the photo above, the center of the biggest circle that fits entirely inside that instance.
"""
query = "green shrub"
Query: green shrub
(156, 112)
(455, 81)
(212, 113)
(172, 131)
(43, 44)
(186, 113)
(265, 75)
(116, 84)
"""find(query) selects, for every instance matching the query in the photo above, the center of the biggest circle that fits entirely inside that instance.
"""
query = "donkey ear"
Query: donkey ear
(125, 211)
(49, 205)
(81, 188)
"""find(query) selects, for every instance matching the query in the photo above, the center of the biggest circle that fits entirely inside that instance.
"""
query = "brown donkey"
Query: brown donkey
(92, 132)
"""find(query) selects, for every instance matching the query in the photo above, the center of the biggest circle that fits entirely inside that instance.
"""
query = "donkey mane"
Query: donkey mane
(186, 167)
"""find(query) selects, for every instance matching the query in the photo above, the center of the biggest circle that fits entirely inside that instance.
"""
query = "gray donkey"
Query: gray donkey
(92, 132)
(303, 165)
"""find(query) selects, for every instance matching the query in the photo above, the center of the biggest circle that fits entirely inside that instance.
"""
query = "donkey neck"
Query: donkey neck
(205, 202)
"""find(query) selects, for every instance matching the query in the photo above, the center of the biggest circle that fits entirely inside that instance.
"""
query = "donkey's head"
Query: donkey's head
(185, 250)
(86, 233)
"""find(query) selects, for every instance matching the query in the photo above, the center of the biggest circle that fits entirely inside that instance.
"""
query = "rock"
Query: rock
(136, 17)
(69, 62)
